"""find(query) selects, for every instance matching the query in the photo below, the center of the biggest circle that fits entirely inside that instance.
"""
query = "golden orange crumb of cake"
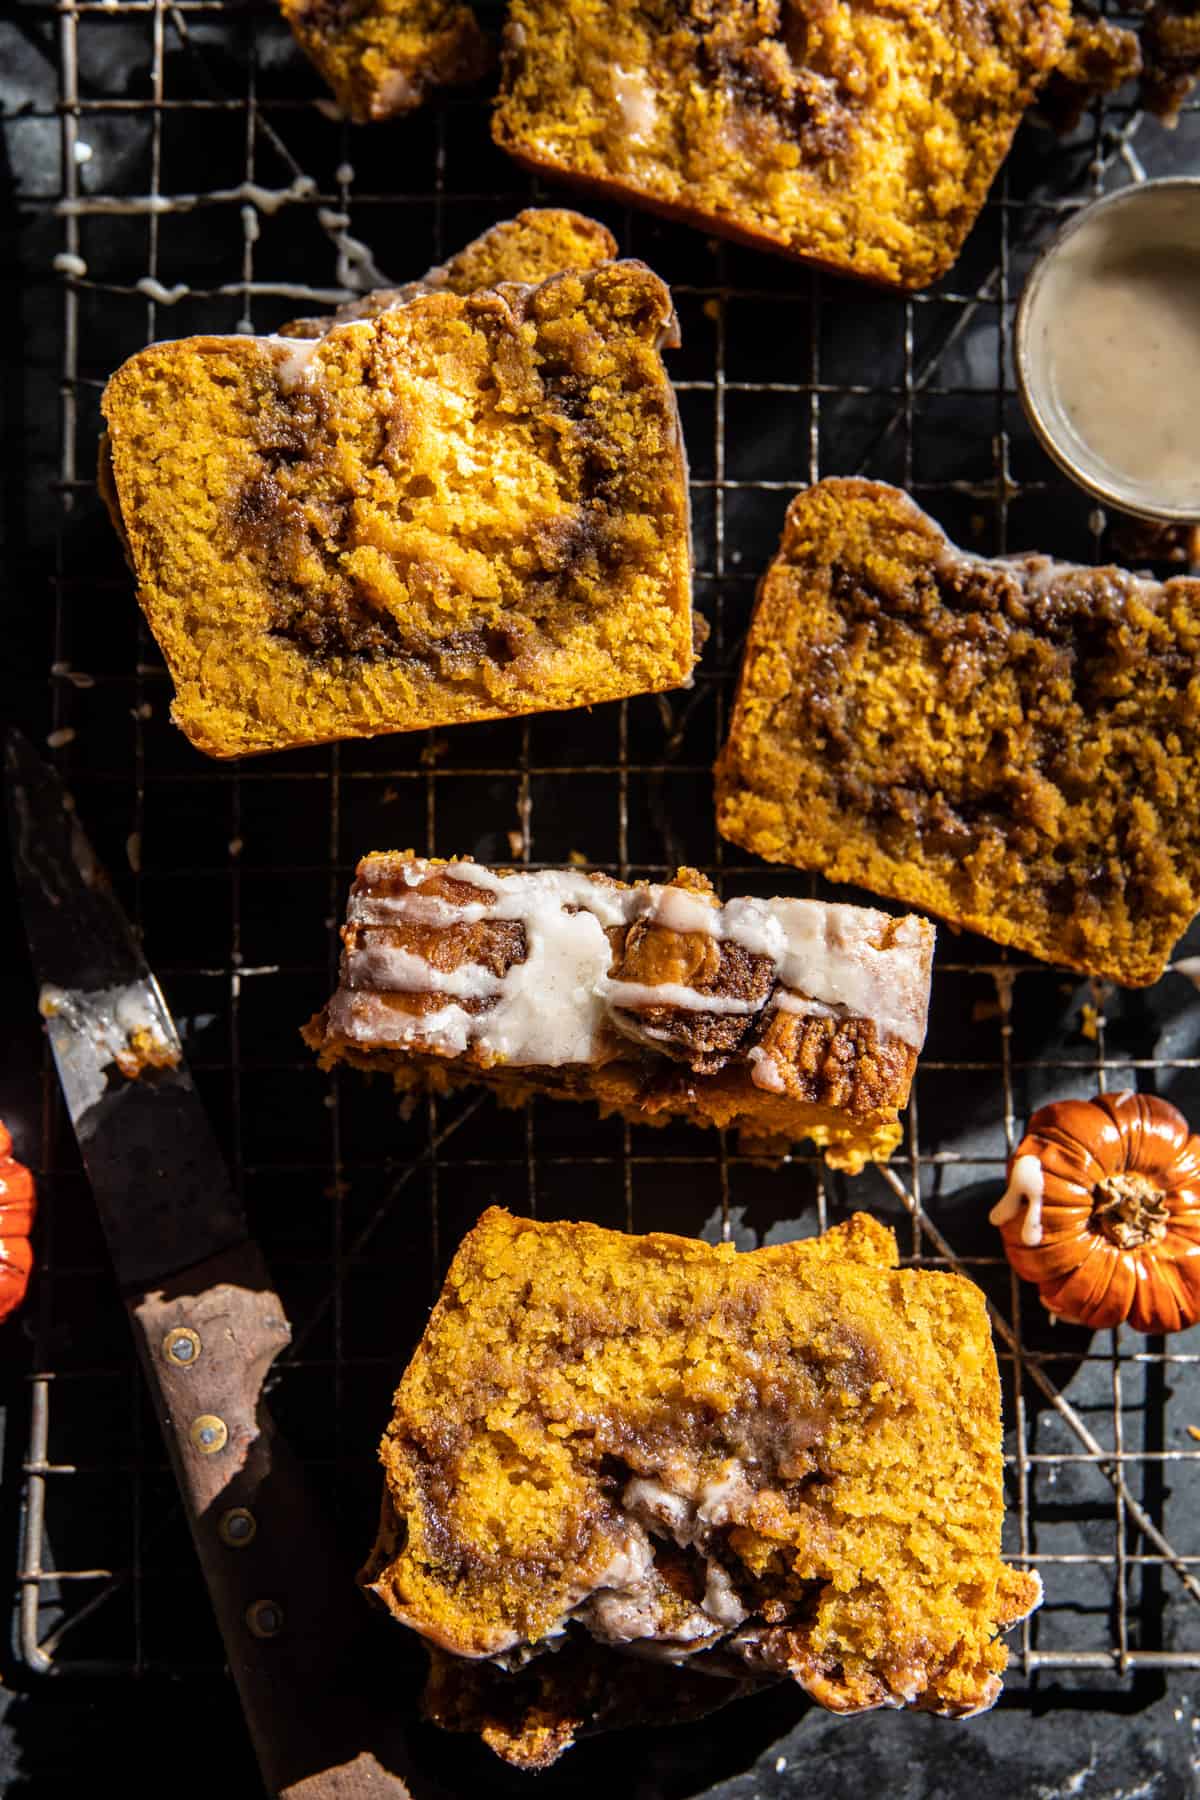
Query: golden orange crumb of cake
(860, 137)
(791, 1455)
(788, 1019)
(1011, 745)
(382, 57)
(472, 506)
(146, 1048)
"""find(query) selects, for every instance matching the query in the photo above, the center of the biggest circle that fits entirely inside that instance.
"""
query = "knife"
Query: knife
(205, 1317)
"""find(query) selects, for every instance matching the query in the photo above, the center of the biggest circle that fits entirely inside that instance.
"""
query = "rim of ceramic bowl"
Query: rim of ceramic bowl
(1084, 475)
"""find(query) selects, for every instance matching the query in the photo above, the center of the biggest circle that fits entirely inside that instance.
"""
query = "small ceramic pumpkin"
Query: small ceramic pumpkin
(17, 1207)
(1102, 1211)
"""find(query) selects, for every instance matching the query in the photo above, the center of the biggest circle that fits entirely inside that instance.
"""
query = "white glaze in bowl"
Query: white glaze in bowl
(1108, 349)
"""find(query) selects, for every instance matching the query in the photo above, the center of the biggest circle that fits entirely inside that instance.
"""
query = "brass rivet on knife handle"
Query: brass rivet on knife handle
(290, 1617)
(208, 1433)
(265, 1618)
(182, 1347)
(237, 1527)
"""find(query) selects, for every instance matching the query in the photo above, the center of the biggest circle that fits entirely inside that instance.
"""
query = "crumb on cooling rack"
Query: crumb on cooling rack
(983, 1010)
(1090, 1021)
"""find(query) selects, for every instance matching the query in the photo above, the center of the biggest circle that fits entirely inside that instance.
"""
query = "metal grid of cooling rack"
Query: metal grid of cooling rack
(202, 177)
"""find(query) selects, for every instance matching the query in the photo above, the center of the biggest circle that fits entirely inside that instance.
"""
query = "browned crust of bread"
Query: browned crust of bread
(836, 1065)
(106, 487)
(711, 223)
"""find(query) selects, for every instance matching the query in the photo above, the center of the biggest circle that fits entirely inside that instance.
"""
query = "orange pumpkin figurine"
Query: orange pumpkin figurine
(17, 1209)
(1102, 1211)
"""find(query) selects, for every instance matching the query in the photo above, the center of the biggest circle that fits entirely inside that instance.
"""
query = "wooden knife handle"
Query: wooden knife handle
(291, 1617)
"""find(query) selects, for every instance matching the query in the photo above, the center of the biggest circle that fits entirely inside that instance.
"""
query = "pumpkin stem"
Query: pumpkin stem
(1130, 1209)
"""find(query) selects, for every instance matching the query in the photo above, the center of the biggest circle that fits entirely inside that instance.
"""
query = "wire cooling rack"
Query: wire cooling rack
(206, 185)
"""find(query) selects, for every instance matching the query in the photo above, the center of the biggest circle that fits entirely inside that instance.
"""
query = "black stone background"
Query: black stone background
(169, 1723)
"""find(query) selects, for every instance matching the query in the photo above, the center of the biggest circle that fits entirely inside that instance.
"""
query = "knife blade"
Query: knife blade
(127, 1088)
(206, 1320)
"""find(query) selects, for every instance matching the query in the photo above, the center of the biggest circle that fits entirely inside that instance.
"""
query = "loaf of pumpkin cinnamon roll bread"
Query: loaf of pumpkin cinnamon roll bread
(786, 1018)
(786, 1462)
(470, 507)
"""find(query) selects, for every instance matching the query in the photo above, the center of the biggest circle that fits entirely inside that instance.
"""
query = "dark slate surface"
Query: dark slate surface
(173, 1727)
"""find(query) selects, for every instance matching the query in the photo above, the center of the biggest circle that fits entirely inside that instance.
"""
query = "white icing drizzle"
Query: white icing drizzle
(398, 971)
(356, 267)
(551, 1008)
(721, 1600)
(672, 993)
(786, 1001)
(718, 1499)
(267, 200)
(636, 103)
(165, 296)
(827, 954)
(1026, 1187)
(295, 367)
(646, 1498)
(418, 909)
(1188, 967)
(832, 955)
(679, 910)
(765, 1072)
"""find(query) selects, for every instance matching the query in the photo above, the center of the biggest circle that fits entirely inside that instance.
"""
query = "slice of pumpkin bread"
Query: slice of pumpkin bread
(471, 507)
(859, 136)
(792, 1455)
(789, 1019)
(1014, 745)
(382, 57)
(540, 242)
(531, 1713)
